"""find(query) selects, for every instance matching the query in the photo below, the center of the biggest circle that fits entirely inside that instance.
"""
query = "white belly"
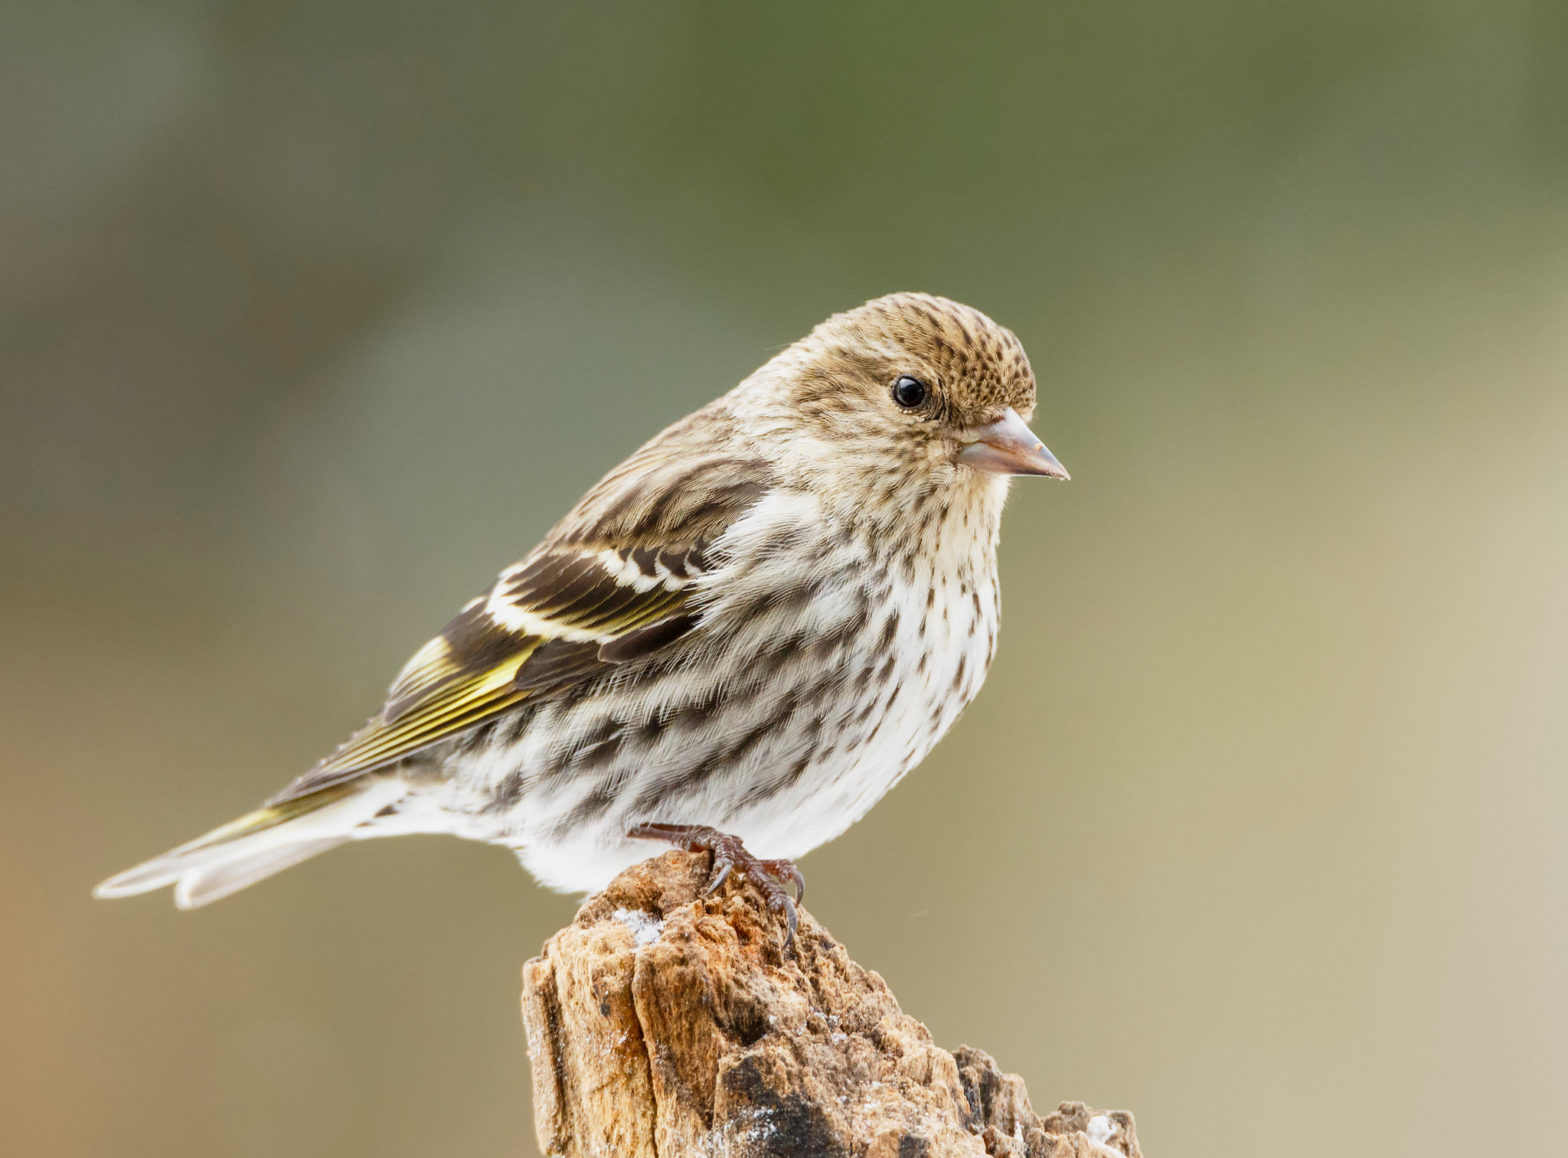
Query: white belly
(941, 660)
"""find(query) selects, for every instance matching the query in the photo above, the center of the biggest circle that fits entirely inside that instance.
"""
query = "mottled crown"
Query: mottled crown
(980, 365)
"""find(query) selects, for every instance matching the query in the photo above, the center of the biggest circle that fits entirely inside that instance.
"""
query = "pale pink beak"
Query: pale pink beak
(1008, 446)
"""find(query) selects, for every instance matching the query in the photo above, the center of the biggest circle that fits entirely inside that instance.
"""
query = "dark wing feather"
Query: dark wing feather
(611, 584)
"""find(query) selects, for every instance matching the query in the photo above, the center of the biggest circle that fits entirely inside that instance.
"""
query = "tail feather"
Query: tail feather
(258, 844)
(204, 885)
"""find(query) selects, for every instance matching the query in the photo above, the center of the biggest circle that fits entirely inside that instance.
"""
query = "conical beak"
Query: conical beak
(1008, 446)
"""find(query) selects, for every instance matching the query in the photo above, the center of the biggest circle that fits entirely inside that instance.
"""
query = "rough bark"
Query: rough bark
(662, 1023)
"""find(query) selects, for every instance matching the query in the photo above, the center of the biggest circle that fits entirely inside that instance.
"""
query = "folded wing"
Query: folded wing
(599, 592)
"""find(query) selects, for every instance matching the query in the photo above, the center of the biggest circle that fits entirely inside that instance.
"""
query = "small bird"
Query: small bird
(737, 641)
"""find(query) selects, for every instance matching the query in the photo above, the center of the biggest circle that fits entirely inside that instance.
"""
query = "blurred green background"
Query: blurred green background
(313, 316)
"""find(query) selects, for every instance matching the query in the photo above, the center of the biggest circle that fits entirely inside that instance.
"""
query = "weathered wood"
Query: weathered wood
(663, 1023)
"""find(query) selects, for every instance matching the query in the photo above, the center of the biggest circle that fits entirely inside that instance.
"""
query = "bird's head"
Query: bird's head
(908, 390)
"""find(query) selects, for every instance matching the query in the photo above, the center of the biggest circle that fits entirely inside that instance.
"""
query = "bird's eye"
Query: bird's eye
(909, 392)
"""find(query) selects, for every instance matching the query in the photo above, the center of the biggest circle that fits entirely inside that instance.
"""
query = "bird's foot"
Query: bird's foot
(729, 856)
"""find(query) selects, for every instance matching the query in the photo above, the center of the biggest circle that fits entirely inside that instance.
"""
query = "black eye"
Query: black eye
(909, 392)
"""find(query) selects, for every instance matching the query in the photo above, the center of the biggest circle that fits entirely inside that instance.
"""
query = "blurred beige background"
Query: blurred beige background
(313, 316)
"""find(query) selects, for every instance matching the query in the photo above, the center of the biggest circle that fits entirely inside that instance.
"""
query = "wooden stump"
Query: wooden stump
(662, 1023)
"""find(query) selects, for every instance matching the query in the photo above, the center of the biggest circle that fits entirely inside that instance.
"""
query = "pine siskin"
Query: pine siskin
(753, 626)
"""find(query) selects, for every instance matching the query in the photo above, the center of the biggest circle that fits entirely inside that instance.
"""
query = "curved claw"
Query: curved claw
(787, 870)
(721, 873)
(791, 920)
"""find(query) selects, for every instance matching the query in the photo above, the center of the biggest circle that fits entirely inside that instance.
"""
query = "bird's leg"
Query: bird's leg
(730, 855)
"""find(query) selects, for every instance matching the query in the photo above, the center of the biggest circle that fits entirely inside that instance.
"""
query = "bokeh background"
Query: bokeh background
(313, 316)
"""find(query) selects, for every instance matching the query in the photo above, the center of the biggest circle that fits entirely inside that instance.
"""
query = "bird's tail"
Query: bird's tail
(259, 843)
